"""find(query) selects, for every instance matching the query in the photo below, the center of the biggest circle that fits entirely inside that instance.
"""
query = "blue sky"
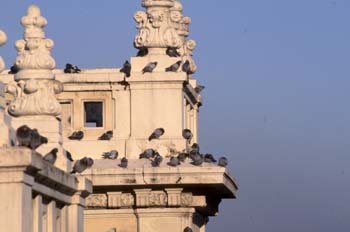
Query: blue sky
(277, 77)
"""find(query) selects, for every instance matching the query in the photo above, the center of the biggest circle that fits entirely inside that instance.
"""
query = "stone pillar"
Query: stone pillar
(34, 86)
(16, 201)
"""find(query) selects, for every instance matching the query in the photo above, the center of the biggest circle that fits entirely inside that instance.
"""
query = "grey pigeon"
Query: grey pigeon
(186, 67)
(148, 154)
(82, 164)
(106, 136)
(174, 67)
(187, 229)
(172, 52)
(126, 69)
(149, 67)
(71, 69)
(223, 162)
(195, 148)
(156, 134)
(77, 135)
(23, 135)
(158, 159)
(182, 157)
(174, 162)
(187, 134)
(197, 160)
(51, 156)
(143, 51)
(36, 139)
(112, 155)
(199, 88)
(124, 163)
(209, 158)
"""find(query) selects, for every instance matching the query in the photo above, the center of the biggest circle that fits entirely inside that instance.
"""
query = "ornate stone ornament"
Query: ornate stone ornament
(3, 39)
(34, 87)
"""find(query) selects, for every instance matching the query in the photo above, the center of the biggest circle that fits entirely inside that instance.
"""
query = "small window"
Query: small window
(93, 114)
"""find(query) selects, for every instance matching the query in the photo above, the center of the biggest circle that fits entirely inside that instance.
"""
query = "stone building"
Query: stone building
(58, 103)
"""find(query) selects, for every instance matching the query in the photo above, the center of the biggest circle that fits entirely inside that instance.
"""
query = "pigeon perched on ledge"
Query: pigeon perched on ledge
(124, 163)
(77, 135)
(187, 134)
(174, 162)
(126, 69)
(223, 162)
(156, 134)
(71, 69)
(187, 229)
(106, 136)
(82, 164)
(174, 67)
(14, 69)
(143, 51)
(149, 67)
(158, 159)
(172, 52)
(209, 158)
(112, 155)
(30, 138)
(148, 154)
(51, 157)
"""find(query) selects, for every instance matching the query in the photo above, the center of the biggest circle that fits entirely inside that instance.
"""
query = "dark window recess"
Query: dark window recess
(93, 114)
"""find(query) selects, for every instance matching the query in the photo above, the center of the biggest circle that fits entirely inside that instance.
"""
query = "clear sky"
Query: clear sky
(277, 77)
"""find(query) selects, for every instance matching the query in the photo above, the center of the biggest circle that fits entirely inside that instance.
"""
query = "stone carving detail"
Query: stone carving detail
(127, 200)
(158, 198)
(158, 27)
(34, 88)
(96, 201)
(3, 39)
(186, 199)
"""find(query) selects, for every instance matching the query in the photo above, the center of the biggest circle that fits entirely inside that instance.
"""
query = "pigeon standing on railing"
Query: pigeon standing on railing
(51, 157)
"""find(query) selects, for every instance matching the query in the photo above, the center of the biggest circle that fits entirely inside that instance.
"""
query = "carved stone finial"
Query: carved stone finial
(34, 87)
(3, 39)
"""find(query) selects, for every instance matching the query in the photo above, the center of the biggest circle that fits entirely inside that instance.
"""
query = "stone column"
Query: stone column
(34, 86)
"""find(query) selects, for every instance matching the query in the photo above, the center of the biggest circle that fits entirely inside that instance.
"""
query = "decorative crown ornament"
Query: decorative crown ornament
(35, 86)
(3, 39)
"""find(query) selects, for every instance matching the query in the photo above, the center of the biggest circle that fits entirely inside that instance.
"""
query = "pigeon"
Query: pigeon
(77, 135)
(172, 52)
(124, 163)
(36, 139)
(174, 67)
(194, 148)
(106, 136)
(69, 156)
(174, 162)
(156, 134)
(187, 229)
(148, 154)
(199, 88)
(51, 156)
(186, 67)
(112, 155)
(187, 134)
(197, 160)
(14, 69)
(23, 135)
(71, 69)
(126, 69)
(143, 51)
(149, 67)
(209, 158)
(223, 162)
(182, 157)
(82, 164)
(158, 159)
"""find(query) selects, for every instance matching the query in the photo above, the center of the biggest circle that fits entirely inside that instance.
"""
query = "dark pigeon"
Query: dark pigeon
(158, 159)
(194, 148)
(14, 69)
(187, 229)
(199, 88)
(112, 155)
(156, 134)
(71, 69)
(77, 135)
(174, 67)
(82, 164)
(69, 156)
(172, 52)
(126, 69)
(23, 135)
(223, 162)
(209, 158)
(197, 160)
(51, 157)
(149, 67)
(143, 51)
(106, 136)
(174, 162)
(187, 134)
(186, 67)
(182, 157)
(124, 163)
(37, 140)
(148, 154)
